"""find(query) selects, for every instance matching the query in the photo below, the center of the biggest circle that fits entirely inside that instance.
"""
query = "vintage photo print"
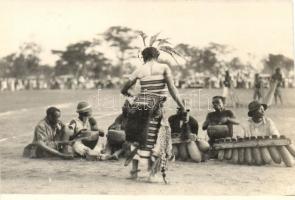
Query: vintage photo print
(170, 97)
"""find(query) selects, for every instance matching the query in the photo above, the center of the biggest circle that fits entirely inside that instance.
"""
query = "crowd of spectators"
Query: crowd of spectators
(197, 80)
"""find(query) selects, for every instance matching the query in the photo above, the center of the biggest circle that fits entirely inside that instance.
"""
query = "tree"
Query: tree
(191, 55)
(6, 65)
(220, 49)
(198, 60)
(23, 63)
(72, 60)
(81, 58)
(236, 64)
(121, 38)
(277, 60)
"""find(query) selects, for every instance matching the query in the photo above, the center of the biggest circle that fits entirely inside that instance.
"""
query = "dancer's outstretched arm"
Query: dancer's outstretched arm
(172, 89)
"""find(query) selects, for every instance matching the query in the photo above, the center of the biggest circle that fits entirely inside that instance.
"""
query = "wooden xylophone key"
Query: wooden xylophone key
(285, 154)
(228, 152)
(248, 153)
(291, 148)
(203, 145)
(194, 151)
(220, 155)
(183, 153)
(264, 151)
(274, 153)
(235, 153)
(256, 153)
(241, 152)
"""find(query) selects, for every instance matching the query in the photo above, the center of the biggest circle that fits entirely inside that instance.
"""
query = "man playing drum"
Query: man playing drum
(85, 132)
(116, 137)
(219, 124)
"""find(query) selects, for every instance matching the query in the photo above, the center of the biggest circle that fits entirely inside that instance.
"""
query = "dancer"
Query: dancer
(147, 126)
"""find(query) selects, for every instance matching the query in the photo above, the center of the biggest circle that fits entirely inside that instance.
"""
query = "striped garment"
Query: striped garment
(154, 125)
(151, 77)
(154, 84)
(144, 153)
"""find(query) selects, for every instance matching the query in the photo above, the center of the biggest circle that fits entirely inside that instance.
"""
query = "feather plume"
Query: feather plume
(143, 37)
(154, 39)
(171, 56)
(169, 50)
(163, 41)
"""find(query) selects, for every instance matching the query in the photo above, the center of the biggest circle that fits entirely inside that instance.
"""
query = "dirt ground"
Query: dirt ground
(20, 111)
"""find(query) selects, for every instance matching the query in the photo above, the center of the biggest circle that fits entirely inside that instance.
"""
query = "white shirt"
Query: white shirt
(264, 128)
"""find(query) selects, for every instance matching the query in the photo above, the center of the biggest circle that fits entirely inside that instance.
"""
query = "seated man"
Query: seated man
(176, 123)
(219, 124)
(116, 137)
(85, 132)
(258, 124)
(183, 127)
(50, 138)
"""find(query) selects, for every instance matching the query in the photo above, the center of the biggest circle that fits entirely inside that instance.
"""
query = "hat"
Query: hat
(83, 107)
(255, 105)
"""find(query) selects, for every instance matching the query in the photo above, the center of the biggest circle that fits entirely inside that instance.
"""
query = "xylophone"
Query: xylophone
(256, 150)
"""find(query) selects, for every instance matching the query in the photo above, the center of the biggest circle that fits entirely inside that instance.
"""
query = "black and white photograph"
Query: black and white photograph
(140, 98)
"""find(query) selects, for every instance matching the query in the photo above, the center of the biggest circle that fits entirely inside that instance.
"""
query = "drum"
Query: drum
(218, 131)
(116, 137)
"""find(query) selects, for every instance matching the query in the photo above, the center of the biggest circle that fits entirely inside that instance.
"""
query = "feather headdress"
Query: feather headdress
(162, 44)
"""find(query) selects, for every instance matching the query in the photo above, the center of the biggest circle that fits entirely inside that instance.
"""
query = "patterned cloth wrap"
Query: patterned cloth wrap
(146, 125)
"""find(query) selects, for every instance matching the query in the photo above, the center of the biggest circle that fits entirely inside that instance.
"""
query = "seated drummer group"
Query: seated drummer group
(81, 136)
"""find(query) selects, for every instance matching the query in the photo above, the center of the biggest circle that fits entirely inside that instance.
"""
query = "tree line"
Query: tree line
(88, 58)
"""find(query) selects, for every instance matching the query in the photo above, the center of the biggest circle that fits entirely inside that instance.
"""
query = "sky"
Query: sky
(256, 27)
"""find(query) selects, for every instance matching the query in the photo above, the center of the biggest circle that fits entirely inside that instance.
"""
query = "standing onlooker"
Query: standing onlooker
(277, 76)
(227, 83)
(258, 87)
(228, 92)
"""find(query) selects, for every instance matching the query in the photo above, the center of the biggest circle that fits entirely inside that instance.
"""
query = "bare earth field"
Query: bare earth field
(20, 111)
